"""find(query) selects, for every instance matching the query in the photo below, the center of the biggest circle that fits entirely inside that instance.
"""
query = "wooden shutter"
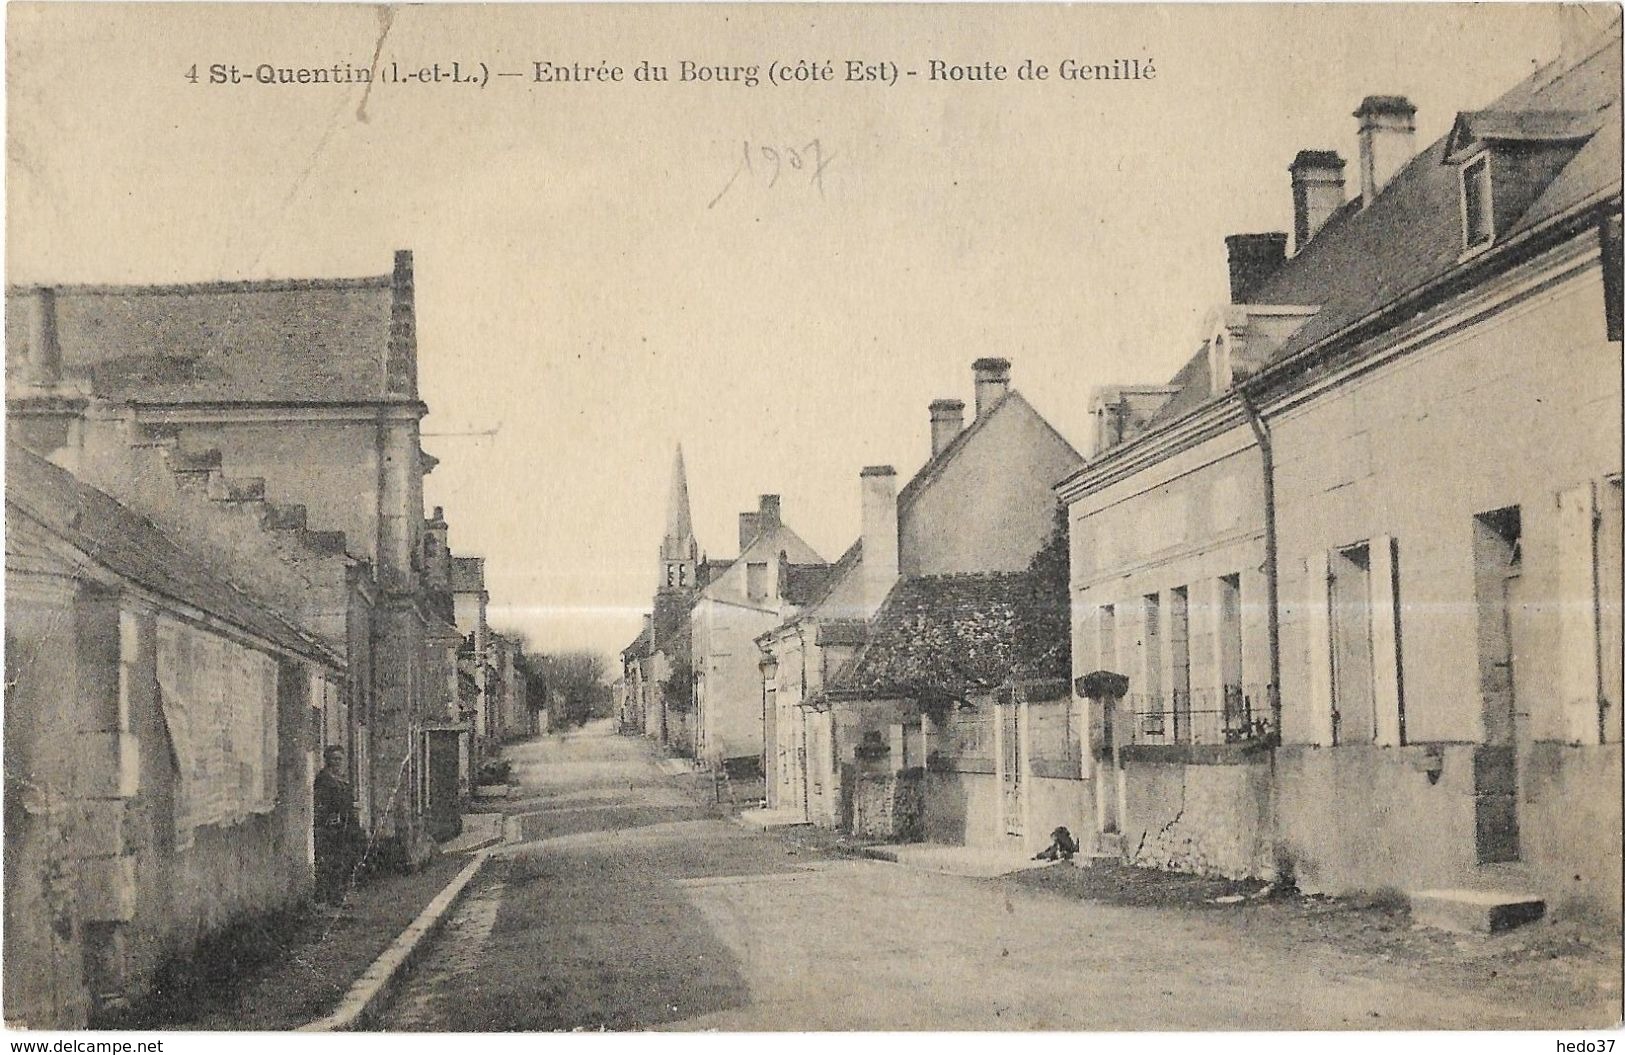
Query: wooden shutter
(1578, 673)
(1385, 642)
(1318, 727)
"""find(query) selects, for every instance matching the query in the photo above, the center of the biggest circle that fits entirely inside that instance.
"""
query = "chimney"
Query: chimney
(947, 418)
(992, 382)
(44, 348)
(769, 512)
(401, 359)
(1317, 193)
(750, 525)
(1387, 134)
(1253, 259)
(879, 533)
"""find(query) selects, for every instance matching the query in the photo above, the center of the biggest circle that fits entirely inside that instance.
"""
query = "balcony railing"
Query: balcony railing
(1240, 715)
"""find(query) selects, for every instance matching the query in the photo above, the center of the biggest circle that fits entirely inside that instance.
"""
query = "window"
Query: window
(1179, 660)
(756, 581)
(1353, 686)
(1478, 218)
(1149, 702)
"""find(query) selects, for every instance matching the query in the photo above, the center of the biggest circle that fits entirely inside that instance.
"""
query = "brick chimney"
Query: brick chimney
(947, 419)
(768, 506)
(1253, 259)
(992, 382)
(879, 533)
(44, 348)
(1317, 193)
(1387, 141)
(750, 525)
(401, 361)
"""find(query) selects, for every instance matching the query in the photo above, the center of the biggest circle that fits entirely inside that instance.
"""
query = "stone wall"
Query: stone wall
(1569, 822)
(885, 804)
(1208, 816)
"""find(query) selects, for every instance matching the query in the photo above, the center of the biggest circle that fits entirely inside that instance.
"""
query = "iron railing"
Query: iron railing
(1240, 715)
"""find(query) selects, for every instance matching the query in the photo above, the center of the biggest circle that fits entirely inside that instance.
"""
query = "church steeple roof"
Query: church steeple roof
(679, 526)
(678, 543)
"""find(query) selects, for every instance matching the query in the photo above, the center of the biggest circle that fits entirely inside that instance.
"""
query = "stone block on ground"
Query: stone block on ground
(1474, 911)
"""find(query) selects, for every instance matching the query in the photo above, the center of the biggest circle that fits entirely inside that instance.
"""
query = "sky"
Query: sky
(601, 277)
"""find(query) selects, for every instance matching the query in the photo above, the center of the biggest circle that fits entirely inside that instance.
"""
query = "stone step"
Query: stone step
(1109, 844)
(286, 518)
(1474, 911)
(237, 488)
(154, 434)
(183, 461)
(328, 542)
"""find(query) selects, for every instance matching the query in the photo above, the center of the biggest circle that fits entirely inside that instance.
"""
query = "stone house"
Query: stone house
(746, 598)
(297, 401)
(657, 672)
(161, 735)
(982, 503)
(470, 602)
(1387, 484)
(961, 690)
(448, 737)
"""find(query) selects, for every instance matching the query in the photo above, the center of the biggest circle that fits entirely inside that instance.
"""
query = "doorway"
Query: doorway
(1497, 576)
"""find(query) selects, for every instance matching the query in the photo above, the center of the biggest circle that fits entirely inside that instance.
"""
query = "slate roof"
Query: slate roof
(804, 581)
(318, 341)
(955, 635)
(1410, 235)
(134, 548)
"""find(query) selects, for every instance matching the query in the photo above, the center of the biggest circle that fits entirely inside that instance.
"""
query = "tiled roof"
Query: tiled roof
(323, 341)
(1364, 259)
(639, 646)
(467, 574)
(952, 635)
(843, 632)
(132, 547)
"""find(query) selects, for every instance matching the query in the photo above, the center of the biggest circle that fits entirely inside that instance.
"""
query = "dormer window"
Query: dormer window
(1477, 208)
(1507, 159)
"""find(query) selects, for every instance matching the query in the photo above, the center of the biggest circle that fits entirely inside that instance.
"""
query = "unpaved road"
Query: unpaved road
(630, 906)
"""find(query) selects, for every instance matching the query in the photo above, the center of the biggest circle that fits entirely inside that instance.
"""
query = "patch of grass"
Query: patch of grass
(280, 971)
(1120, 884)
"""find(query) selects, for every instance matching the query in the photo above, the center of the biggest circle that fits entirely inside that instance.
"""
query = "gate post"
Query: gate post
(1106, 690)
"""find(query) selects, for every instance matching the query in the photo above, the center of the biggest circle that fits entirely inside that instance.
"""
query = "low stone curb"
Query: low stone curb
(373, 989)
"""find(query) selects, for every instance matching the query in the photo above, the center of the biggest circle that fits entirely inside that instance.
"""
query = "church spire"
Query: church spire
(678, 524)
(679, 553)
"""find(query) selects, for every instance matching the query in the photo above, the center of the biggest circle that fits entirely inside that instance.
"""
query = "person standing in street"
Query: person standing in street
(336, 827)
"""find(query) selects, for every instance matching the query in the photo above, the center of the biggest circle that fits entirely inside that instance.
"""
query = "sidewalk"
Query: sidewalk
(767, 820)
(294, 969)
